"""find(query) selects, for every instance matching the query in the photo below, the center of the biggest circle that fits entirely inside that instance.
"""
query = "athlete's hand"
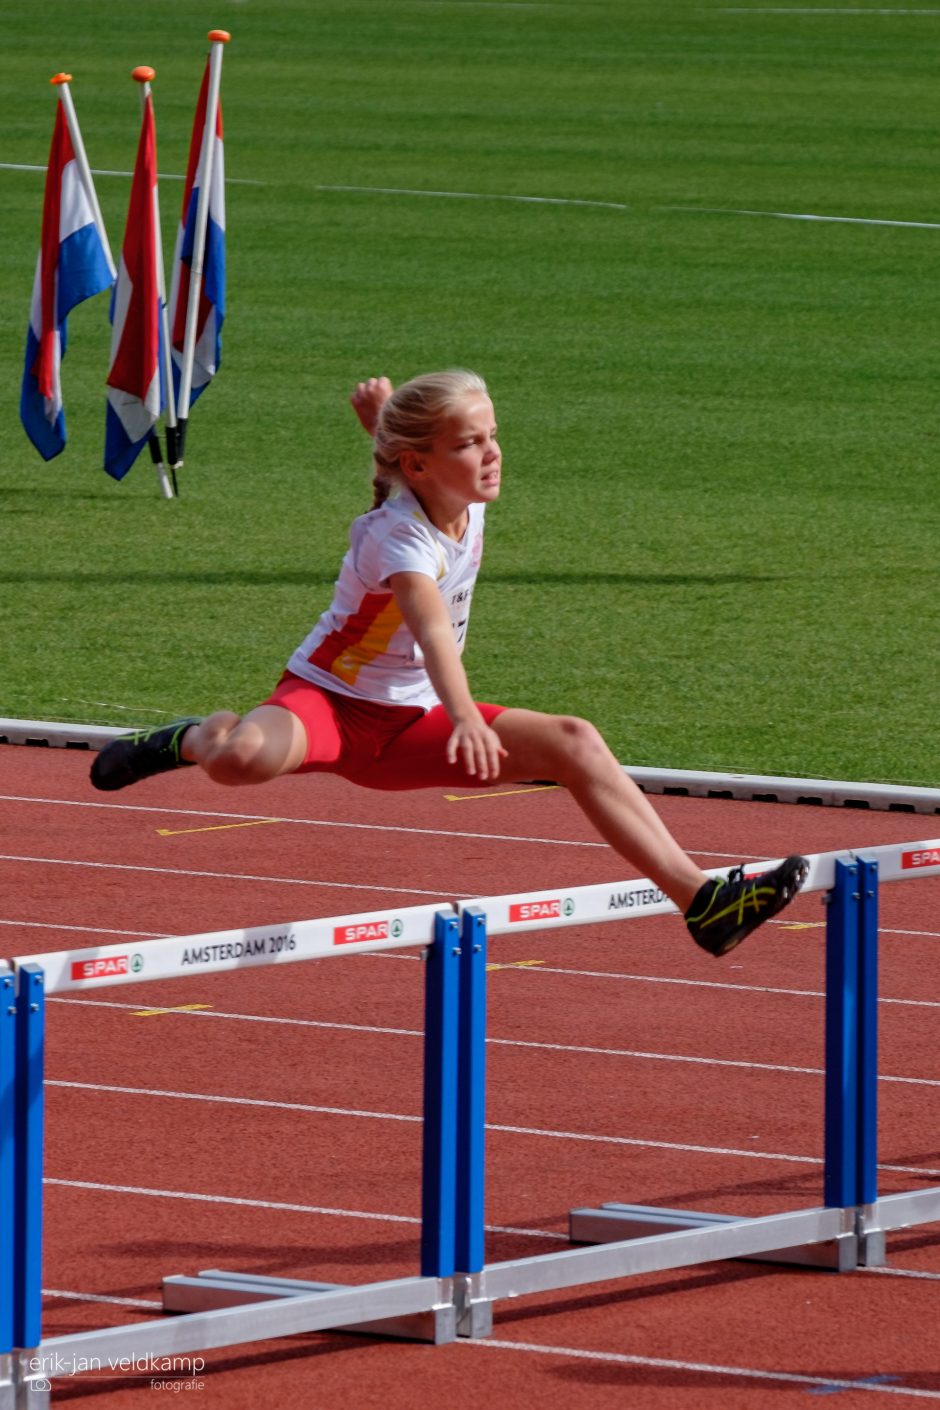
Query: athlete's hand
(368, 399)
(478, 746)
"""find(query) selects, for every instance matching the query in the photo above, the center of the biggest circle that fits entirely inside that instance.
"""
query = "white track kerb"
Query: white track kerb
(455, 1291)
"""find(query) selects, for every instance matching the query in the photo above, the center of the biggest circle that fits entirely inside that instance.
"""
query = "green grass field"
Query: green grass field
(718, 536)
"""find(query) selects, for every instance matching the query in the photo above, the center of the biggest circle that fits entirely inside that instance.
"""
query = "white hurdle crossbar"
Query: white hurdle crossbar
(627, 900)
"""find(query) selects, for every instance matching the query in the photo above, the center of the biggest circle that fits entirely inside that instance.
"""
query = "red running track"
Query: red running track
(275, 1127)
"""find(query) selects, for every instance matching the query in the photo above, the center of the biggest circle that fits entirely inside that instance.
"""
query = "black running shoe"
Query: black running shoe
(724, 912)
(132, 757)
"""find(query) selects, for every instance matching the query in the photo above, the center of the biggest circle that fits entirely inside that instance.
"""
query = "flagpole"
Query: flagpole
(143, 75)
(218, 38)
(62, 81)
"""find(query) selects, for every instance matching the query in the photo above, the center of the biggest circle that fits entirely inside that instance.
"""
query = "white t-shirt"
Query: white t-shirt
(361, 646)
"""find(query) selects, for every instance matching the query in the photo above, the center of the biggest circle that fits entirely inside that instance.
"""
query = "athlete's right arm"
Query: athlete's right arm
(422, 607)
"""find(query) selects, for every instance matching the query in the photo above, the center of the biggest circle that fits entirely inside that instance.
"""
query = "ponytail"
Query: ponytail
(381, 489)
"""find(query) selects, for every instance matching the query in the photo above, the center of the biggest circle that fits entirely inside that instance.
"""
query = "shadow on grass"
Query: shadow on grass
(288, 577)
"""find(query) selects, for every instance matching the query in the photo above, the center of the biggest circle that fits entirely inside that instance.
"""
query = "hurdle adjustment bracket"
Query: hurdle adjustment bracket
(871, 1236)
(474, 1309)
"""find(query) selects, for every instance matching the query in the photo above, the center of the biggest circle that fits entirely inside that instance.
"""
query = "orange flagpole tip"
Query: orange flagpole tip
(61, 78)
(143, 74)
(219, 36)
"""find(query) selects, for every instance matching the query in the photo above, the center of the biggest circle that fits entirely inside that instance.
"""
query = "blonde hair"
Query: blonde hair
(412, 417)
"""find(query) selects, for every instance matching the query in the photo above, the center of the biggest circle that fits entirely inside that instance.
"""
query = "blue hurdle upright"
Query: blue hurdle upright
(221, 1308)
(621, 1240)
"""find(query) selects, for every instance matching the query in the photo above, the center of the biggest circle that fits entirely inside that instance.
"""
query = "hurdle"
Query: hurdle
(623, 1240)
(226, 1309)
(454, 1293)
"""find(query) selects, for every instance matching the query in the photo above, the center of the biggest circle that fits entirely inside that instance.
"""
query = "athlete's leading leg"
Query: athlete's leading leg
(719, 914)
(573, 752)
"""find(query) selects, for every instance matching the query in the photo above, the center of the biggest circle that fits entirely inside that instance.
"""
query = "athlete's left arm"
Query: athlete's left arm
(426, 617)
(368, 399)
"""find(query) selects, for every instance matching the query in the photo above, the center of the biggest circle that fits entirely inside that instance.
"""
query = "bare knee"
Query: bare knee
(579, 746)
(235, 755)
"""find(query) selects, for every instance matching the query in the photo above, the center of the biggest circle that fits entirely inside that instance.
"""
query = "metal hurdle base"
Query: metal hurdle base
(214, 1288)
(614, 1222)
(894, 1212)
(7, 1384)
(25, 1389)
(684, 1247)
(352, 1308)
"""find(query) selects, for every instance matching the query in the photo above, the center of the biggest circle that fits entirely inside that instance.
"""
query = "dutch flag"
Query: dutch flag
(135, 384)
(208, 349)
(74, 264)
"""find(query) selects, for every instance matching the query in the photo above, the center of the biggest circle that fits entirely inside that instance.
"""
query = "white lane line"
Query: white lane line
(476, 196)
(272, 1204)
(490, 1126)
(660, 1363)
(232, 1101)
(326, 822)
(85, 929)
(231, 1199)
(391, 1116)
(692, 983)
(497, 1042)
(102, 1297)
(246, 1017)
(903, 1273)
(659, 1145)
(790, 215)
(221, 875)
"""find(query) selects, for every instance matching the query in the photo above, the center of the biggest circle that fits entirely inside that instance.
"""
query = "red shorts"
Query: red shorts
(391, 747)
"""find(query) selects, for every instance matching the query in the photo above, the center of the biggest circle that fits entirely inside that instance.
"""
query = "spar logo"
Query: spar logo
(540, 910)
(366, 930)
(929, 857)
(106, 968)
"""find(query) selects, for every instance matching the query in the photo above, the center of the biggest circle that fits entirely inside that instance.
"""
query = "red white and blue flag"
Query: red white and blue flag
(208, 351)
(73, 265)
(135, 385)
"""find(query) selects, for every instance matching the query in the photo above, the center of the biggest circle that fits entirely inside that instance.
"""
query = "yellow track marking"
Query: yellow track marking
(517, 964)
(468, 797)
(804, 925)
(224, 827)
(182, 1008)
